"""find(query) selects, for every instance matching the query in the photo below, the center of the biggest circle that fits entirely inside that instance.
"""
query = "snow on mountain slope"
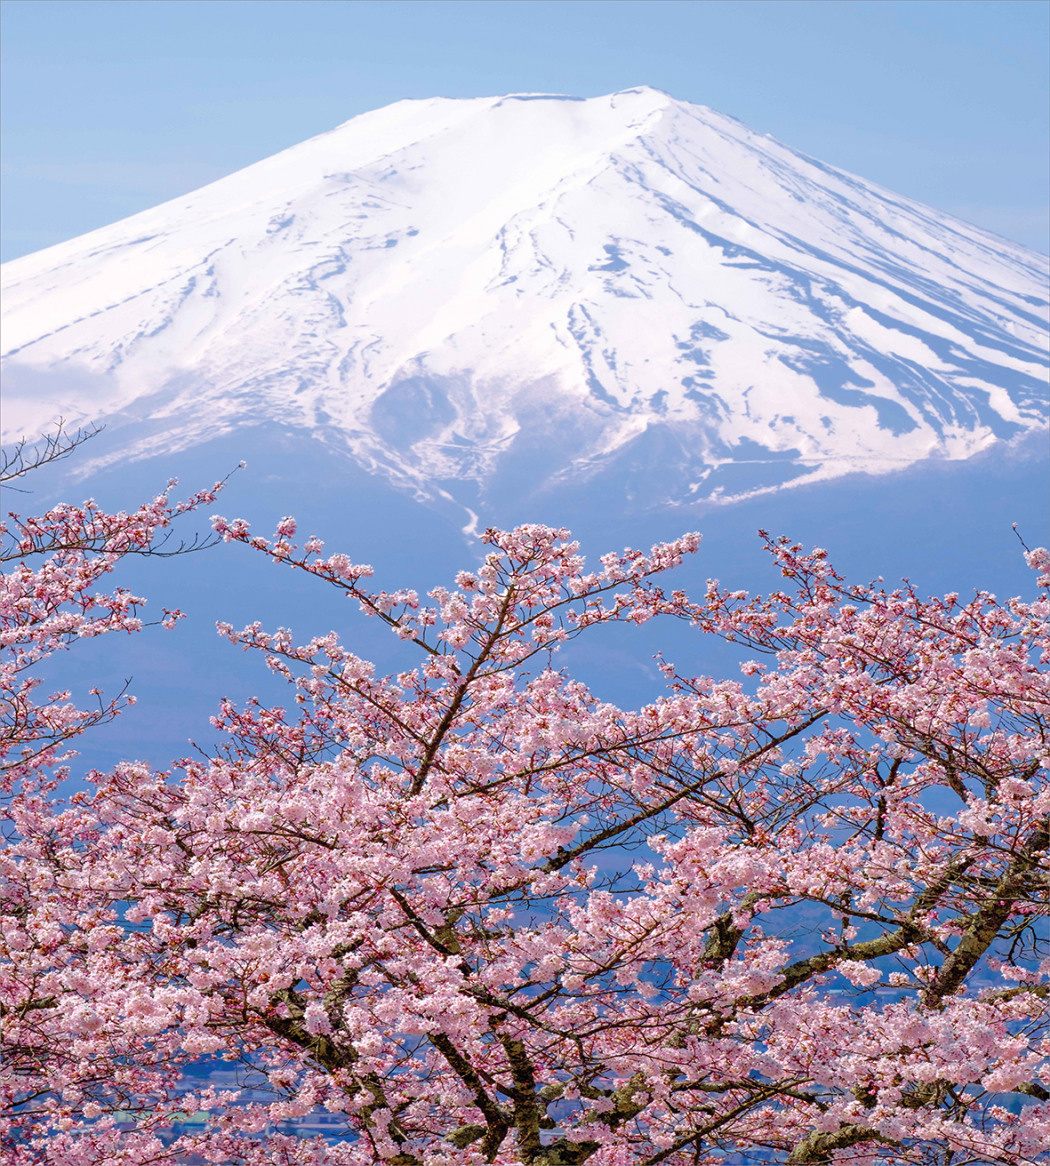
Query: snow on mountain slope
(517, 292)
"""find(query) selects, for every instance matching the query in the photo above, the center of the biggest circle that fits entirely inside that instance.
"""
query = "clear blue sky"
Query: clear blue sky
(111, 106)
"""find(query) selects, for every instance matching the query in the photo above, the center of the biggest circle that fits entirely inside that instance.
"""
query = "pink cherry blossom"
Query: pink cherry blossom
(471, 913)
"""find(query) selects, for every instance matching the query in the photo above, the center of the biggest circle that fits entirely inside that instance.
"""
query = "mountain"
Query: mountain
(499, 297)
(530, 308)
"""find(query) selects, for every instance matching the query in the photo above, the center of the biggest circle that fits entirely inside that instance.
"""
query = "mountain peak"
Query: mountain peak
(471, 290)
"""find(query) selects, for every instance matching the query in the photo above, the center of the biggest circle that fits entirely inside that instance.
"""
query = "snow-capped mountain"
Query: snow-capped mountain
(476, 295)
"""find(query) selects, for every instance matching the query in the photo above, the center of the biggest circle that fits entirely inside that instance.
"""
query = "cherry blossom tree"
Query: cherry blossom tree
(52, 597)
(472, 913)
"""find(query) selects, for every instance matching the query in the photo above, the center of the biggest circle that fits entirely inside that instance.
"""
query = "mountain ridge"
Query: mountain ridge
(458, 290)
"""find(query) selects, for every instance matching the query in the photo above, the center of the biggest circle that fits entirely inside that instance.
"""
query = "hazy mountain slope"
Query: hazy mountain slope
(478, 296)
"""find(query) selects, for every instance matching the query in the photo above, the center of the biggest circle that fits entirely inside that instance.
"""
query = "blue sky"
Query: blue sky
(111, 106)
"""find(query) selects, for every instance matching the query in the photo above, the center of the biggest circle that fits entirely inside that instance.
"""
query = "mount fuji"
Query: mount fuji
(479, 299)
